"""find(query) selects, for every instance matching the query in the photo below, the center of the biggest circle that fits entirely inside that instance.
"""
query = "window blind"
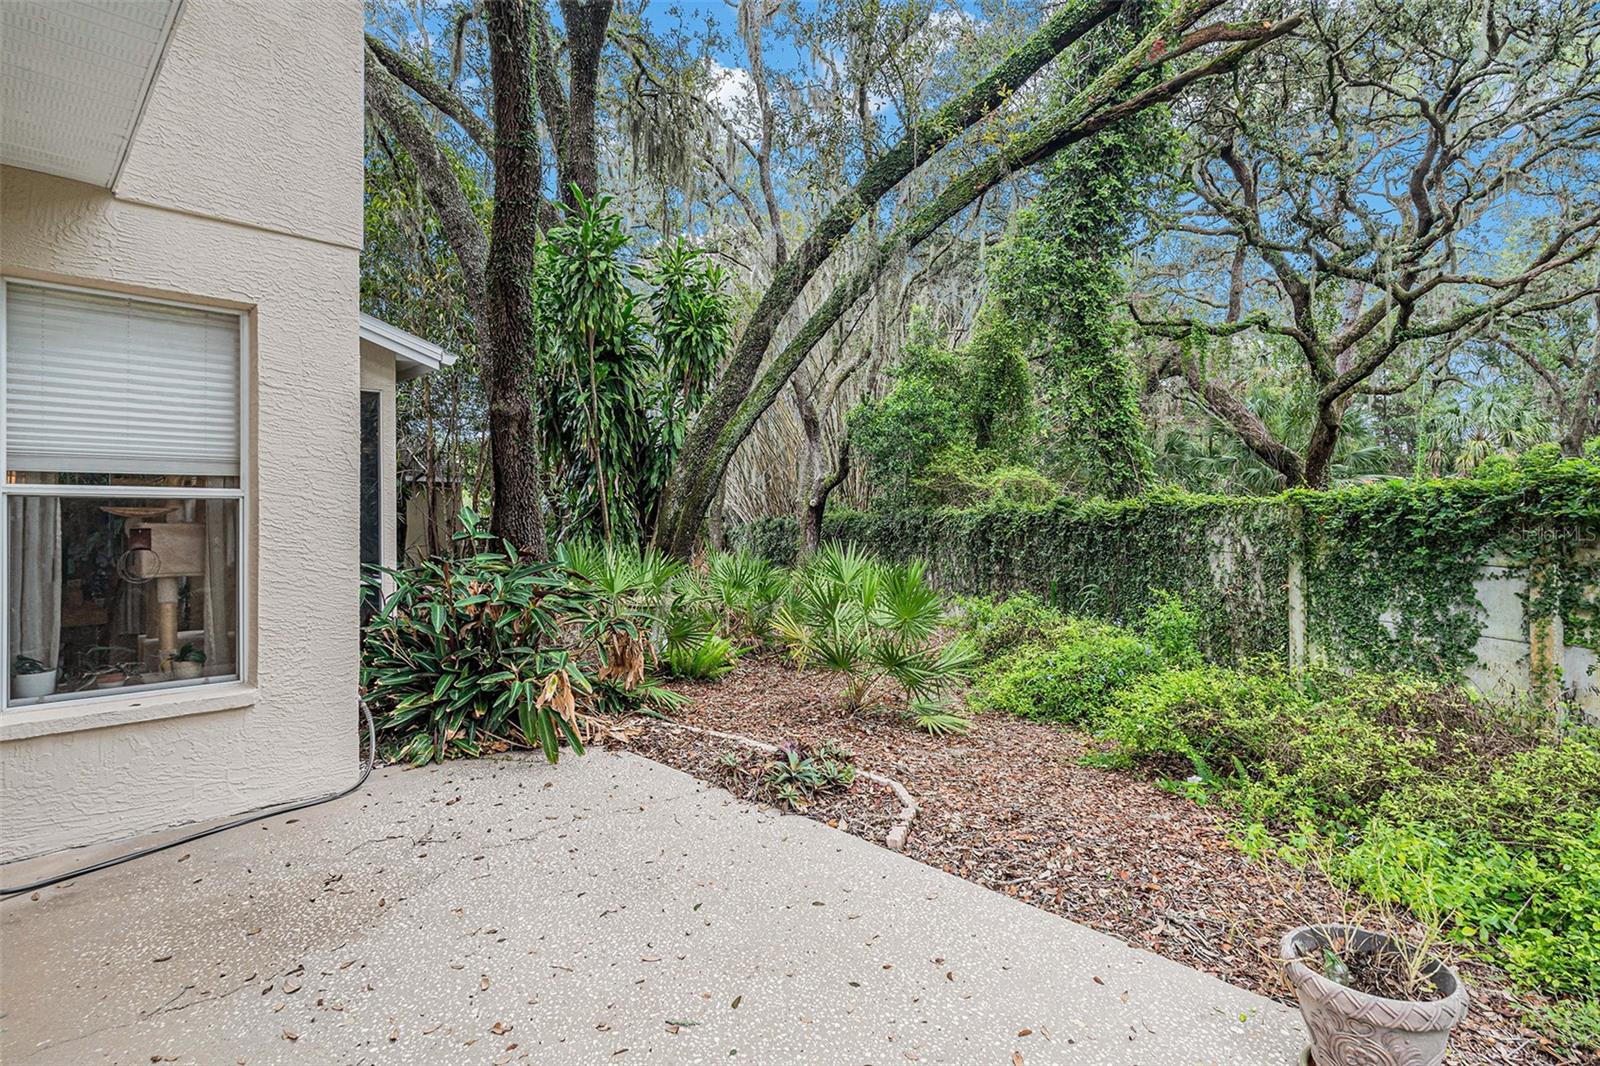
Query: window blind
(106, 385)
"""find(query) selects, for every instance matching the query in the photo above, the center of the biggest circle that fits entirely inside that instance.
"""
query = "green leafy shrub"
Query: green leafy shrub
(876, 627)
(1279, 754)
(1479, 822)
(960, 476)
(1530, 909)
(487, 648)
(1069, 678)
(1205, 717)
(1173, 629)
(955, 427)
(741, 589)
(998, 625)
(774, 538)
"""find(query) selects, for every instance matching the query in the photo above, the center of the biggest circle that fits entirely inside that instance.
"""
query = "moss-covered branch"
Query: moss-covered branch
(1090, 111)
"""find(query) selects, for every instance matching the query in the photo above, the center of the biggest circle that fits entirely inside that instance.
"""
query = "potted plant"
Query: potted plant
(110, 677)
(187, 663)
(1369, 998)
(30, 679)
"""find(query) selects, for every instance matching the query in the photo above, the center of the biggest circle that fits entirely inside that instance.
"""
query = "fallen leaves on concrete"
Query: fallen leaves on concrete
(1009, 806)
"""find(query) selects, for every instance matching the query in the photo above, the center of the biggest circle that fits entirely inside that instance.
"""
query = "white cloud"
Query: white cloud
(733, 94)
(952, 21)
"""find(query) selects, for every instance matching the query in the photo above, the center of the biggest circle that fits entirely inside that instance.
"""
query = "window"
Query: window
(123, 449)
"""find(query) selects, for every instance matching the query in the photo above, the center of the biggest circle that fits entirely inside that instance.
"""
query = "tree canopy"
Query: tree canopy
(716, 265)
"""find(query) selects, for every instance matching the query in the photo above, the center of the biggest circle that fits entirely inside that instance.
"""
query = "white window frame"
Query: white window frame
(244, 616)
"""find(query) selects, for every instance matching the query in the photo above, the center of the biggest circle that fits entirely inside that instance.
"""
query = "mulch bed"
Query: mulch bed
(1008, 806)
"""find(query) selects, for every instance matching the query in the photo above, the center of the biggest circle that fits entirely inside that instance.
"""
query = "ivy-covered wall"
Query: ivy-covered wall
(1391, 568)
(1388, 571)
(1227, 557)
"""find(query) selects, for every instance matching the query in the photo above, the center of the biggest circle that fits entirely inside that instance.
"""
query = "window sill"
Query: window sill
(102, 712)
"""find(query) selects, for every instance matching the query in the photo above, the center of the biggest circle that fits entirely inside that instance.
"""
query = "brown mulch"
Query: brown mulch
(1009, 806)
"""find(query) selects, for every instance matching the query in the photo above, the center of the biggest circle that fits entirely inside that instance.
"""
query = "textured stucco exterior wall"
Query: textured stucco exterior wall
(251, 118)
(252, 148)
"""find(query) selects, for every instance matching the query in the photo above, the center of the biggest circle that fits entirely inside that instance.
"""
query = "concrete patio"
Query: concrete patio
(606, 910)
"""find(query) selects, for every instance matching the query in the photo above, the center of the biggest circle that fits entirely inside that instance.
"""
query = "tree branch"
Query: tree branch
(419, 80)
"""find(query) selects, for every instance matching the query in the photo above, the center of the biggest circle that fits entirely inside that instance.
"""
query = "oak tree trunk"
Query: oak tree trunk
(586, 37)
(508, 275)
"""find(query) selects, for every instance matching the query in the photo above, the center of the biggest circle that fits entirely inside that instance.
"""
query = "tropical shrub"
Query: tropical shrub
(485, 648)
(876, 626)
(1069, 677)
(683, 609)
(628, 352)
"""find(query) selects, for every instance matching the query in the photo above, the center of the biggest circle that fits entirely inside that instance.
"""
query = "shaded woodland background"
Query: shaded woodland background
(1231, 248)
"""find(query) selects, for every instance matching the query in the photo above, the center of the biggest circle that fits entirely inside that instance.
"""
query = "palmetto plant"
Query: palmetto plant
(741, 590)
(710, 656)
(876, 626)
(673, 606)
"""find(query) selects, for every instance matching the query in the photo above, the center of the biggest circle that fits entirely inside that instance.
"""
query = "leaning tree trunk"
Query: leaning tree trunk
(702, 458)
(1095, 108)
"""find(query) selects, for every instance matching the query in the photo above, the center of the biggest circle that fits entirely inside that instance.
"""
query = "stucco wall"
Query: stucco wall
(252, 115)
(248, 169)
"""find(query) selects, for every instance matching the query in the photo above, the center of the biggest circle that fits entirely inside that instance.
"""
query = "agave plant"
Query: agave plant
(876, 626)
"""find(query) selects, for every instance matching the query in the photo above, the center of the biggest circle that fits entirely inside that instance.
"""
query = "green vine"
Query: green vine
(1062, 276)
(1391, 570)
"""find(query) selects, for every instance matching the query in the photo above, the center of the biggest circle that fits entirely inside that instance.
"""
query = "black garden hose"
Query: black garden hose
(366, 771)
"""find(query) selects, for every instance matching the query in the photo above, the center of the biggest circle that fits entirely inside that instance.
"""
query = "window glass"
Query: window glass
(122, 494)
(114, 593)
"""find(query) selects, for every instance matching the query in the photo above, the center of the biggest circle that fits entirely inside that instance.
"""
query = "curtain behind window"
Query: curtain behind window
(34, 628)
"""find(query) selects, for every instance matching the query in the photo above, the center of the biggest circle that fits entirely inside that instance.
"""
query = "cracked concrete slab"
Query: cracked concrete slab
(606, 910)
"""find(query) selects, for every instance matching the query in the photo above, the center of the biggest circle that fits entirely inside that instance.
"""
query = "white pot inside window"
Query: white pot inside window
(32, 686)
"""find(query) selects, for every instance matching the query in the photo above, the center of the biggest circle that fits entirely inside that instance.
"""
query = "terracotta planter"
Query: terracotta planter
(1351, 1028)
